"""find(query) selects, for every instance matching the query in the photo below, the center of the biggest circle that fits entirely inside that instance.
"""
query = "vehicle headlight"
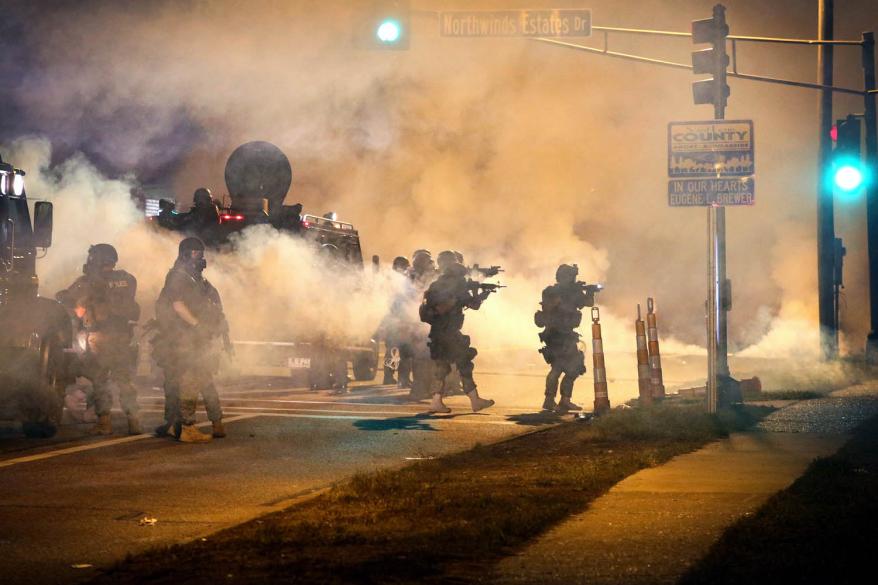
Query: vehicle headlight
(17, 184)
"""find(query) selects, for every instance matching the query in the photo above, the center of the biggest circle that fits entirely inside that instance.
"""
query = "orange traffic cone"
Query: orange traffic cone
(601, 398)
(643, 384)
(655, 359)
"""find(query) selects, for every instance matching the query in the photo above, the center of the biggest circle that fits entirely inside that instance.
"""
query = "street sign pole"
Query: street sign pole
(717, 321)
(722, 326)
(713, 306)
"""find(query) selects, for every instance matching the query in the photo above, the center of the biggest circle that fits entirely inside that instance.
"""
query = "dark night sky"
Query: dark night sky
(493, 130)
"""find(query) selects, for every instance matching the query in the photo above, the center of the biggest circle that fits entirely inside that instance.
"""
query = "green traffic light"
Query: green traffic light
(389, 31)
(848, 178)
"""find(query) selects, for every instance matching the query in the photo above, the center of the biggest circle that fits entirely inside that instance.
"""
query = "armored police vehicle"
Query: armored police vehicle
(258, 176)
(34, 331)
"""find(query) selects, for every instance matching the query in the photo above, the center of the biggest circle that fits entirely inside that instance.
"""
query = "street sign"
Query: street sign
(516, 23)
(715, 148)
(711, 192)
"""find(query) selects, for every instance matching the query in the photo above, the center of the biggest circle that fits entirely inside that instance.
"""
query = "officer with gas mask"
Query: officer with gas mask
(560, 315)
(190, 320)
(442, 308)
(103, 302)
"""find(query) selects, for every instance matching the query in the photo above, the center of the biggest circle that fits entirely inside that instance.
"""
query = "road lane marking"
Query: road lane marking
(363, 404)
(370, 414)
(418, 419)
(101, 444)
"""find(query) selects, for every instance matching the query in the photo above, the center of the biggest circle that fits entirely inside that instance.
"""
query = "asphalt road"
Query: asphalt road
(72, 504)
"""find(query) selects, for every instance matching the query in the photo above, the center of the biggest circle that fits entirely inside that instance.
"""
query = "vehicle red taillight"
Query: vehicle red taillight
(229, 217)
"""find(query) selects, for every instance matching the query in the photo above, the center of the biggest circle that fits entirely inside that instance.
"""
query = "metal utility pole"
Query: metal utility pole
(871, 189)
(825, 211)
(714, 91)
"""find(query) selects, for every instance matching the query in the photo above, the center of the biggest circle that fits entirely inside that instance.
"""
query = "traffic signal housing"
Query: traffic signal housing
(713, 61)
(383, 25)
(847, 173)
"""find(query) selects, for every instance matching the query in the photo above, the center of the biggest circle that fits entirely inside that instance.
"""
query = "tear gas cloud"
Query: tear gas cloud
(512, 152)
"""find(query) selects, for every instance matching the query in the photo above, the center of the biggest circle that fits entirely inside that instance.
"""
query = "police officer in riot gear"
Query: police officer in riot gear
(560, 315)
(204, 217)
(442, 308)
(423, 270)
(395, 329)
(204, 208)
(190, 319)
(103, 300)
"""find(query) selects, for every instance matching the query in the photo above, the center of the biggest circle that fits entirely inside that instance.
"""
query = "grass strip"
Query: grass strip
(822, 529)
(443, 519)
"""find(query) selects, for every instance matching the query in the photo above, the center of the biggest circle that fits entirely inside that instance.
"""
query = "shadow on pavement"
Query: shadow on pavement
(418, 422)
(535, 419)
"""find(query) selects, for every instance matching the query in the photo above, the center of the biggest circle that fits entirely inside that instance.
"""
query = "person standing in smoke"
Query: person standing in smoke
(394, 329)
(204, 216)
(560, 315)
(442, 308)
(422, 274)
(103, 299)
(190, 318)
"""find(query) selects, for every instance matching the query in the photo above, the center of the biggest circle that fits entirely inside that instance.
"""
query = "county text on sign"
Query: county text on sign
(715, 148)
(516, 23)
(711, 192)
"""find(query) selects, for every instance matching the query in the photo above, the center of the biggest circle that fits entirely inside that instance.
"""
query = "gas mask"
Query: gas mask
(198, 263)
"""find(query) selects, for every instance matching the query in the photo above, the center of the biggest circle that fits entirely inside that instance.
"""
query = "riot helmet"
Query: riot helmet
(566, 273)
(445, 259)
(101, 258)
(400, 264)
(422, 261)
(202, 197)
(191, 251)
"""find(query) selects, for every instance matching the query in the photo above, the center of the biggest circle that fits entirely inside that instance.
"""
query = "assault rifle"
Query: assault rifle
(590, 288)
(476, 286)
(487, 272)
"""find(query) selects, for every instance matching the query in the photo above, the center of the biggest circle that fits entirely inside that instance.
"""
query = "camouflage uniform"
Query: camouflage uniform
(105, 302)
(561, 315)
(186, 353)
(442, 308)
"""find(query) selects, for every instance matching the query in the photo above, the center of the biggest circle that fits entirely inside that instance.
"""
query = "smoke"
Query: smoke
(513, 152)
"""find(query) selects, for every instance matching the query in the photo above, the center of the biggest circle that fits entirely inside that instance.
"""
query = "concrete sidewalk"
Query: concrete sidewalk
(653, 525)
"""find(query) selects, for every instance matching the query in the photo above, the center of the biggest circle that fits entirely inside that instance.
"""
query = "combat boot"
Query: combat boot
(219, 430)
(189, 434)
(477, 402)
(565, 405)
(165, 429)
(134, 427)
(103, 426)
(549, 403)
(437, 406)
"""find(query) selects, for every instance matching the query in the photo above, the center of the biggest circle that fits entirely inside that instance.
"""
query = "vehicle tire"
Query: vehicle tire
(42, 404)
(365, 366)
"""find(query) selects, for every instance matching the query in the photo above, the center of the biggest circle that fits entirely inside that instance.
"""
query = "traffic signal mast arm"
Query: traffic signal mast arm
(606, 30)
